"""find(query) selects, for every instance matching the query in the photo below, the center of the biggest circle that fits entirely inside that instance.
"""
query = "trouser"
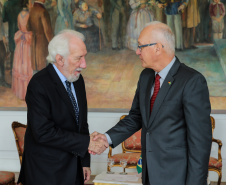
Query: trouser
(118, 28)
(147, 182)
(79, 177)
(189, 37)
(175, 23)
(2, 61)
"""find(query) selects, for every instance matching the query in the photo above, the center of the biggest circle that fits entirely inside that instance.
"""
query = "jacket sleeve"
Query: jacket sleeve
(222, 9)
(44, 130)
(197, 110)
(5, 17)
(85, 161)
(211, 10)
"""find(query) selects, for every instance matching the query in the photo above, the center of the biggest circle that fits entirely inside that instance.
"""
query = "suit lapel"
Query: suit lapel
(167, 84)
(61, 90)
(147, 97)
(79, 100)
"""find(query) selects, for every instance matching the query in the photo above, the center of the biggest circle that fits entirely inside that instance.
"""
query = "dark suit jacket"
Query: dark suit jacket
(40, 25)
(54, 150)
(176, 137)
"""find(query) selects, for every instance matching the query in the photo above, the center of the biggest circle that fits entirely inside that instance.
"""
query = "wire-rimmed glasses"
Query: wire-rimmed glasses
(145, 45)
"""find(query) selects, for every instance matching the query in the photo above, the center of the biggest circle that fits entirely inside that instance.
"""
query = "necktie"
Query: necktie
(156, 90)
(72, 98)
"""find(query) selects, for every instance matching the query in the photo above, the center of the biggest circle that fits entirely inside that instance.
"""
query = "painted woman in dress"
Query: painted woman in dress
(139, 16)
(64, 18)
(84, 23)
(22, 70)
(217, 13)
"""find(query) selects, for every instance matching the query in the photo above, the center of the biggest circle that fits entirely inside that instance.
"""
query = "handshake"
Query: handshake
(98, 143)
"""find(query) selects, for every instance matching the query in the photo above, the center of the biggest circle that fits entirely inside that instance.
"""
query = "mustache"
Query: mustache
(79, 69)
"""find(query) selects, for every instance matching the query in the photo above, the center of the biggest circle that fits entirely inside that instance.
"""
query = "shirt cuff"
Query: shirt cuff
(109, 139)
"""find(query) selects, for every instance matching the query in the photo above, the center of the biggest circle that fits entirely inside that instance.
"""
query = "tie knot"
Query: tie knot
(68, 84)
(157, 77)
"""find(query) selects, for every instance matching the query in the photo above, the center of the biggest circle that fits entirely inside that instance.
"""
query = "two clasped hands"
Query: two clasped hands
(98, 143)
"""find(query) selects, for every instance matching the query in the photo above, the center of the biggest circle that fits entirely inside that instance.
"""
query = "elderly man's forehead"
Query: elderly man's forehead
(77, 45)
(75, 41)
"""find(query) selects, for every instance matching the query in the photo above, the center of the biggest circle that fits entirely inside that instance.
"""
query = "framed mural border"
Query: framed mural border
(215, 110)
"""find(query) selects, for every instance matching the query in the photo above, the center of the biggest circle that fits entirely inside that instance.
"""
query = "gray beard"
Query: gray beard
(73, 78)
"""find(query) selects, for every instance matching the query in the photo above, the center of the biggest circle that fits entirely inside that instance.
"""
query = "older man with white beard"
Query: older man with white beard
(57, 136)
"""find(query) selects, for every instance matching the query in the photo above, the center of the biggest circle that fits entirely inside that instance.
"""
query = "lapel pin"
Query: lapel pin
(169, 83)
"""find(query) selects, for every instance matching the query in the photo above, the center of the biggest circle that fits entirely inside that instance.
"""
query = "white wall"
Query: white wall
(98, 121)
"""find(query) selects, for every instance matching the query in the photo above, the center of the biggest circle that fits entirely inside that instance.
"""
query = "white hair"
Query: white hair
(60, 44)
(164, 35)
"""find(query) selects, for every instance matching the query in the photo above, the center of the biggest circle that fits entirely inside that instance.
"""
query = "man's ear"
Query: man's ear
(59, 60)
(158, 48)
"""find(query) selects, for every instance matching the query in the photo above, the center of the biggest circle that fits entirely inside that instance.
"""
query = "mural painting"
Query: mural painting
(111, 28)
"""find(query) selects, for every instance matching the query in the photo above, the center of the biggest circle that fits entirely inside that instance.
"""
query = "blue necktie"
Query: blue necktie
(72, 98)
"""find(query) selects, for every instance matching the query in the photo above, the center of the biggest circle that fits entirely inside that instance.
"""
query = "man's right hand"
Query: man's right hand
(98, 143)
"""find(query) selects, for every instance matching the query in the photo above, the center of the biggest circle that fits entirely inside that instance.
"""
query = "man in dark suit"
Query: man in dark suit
(10, 12)
(172, 107)
(57, 136)
(40, 25)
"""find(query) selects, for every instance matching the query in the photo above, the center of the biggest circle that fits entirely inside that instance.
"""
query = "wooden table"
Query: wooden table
(132, 178)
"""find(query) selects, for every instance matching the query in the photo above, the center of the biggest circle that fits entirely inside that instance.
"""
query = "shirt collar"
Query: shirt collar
(163, 73)
(61, 76)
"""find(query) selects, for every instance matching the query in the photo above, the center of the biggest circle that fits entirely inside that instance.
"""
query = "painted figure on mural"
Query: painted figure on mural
(51, 7)
(22, 70)
(10, 11)
(40, 25)
(203, 29)
(99, 6)
(118, 24)
(83, 22)
(2, 51)
(64, 19)
(173, 10)
(224, 31)
(139, 16)
(191, 19)
(217, 13)
(74, 6)
(159, 12)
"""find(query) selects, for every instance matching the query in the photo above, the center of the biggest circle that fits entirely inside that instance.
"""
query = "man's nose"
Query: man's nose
(138, 51)
(83, 63)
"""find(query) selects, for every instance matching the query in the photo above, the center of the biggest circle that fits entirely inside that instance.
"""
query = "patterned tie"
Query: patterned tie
(156, 90)
(71, 96)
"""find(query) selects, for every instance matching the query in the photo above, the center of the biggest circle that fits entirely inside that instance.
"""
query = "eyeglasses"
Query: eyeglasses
(143, 46)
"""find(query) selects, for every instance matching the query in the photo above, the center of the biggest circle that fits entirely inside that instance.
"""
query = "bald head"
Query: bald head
(157, 46)
(160, 33)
